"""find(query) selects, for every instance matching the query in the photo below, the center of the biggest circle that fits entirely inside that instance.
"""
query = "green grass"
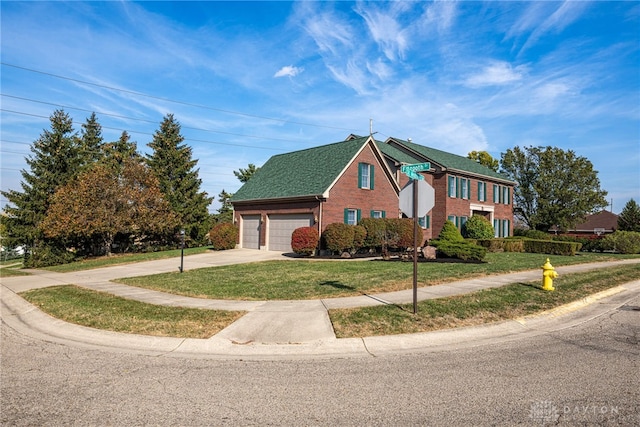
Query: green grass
(490, 305)
(107, 261)
(308, 279)
(103, 311)
(11, 268)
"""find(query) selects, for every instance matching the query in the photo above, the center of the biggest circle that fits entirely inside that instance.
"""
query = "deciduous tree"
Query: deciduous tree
(555, 187)
(101, 203)
(485, 159)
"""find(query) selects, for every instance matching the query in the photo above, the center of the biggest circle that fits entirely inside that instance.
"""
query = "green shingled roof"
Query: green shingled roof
(447, 160)
(301, 173)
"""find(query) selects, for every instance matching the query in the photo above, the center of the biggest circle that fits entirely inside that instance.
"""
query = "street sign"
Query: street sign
(426, 198)
(412, 170)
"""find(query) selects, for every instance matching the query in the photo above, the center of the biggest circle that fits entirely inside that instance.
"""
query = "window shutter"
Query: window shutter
(371, 177)
(346, 215)
(508, 201)
(457, 187)
(495, 193)
(358, 216)
(359, 176)
(428, 217)
(384, 214)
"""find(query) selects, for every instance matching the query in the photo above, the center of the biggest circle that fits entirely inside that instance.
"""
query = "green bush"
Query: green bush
(551, 247)
(492, 245)
(375, 232)
(537, 235)
(304, 240)
(502, 244)
(461, 250)
(624, 242)
(224, 236)
(47, 254)
(478, 227)
(338, 237)
(449, 233)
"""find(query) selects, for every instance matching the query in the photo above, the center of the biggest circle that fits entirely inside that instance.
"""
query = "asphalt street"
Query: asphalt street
(587, 374)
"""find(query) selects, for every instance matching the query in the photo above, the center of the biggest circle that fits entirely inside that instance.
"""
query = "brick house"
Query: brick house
(358, 178)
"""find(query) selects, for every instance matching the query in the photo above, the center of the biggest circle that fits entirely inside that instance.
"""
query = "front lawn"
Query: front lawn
(103, 311)
(490, 305)
(309, 279)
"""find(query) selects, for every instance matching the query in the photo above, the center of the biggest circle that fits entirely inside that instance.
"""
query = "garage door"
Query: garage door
(251, 231)
(281, 227)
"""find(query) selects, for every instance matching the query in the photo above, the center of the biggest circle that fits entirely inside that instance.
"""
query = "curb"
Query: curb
(28, 320)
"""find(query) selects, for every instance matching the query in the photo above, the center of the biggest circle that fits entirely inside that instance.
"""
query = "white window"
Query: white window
(365, 176)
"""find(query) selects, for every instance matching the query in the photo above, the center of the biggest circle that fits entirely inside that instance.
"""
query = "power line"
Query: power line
(189, 104)
(151, 134)
(142, 120)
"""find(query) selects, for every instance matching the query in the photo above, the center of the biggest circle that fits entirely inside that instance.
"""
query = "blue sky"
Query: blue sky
(248, 80)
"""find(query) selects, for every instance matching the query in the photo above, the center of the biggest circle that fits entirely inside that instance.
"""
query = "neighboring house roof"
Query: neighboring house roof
(301, 174)
(410, 152)
(604, 220)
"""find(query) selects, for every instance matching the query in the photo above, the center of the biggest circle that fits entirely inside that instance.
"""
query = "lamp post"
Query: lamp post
(182, 251)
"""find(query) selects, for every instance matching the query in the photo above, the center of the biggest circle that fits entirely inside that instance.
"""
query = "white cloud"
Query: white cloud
(496, 74)
(288, 71)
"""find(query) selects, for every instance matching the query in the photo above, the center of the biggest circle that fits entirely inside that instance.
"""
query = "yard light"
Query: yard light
(182, 251)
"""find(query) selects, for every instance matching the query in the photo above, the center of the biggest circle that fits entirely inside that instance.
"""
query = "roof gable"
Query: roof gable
(304, 173)
(409, 152)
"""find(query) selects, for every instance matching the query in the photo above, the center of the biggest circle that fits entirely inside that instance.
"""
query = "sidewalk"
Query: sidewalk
(273, 328)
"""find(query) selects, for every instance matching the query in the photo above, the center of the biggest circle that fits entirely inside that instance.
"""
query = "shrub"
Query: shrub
(551, 247)
(375, 229)
(224, 236)
(399, 232)
(624, 242)
(461, 250)
(304, 240)
(449, 233)
(359, 236)
(537, 235)
(513, 245)
(492, 245)
(47, 254)
(478, 227)
(338, 237)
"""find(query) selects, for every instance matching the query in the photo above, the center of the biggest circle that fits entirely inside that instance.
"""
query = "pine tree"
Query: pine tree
(629, 219)
(54, 161)
(115, 154)
(171, 161)
(91, 141)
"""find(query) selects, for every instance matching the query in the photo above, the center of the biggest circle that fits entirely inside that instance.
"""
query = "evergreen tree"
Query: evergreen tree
(172, 163)
(54, 161)
(115, 154)
(245, 174)
(91, 141)
(225, 212)
(629, 219)
(485, 159)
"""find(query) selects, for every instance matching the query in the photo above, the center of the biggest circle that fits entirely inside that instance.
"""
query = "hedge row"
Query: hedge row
(370, 233)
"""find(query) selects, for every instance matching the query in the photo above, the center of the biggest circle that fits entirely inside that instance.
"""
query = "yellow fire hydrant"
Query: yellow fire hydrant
(548, 274)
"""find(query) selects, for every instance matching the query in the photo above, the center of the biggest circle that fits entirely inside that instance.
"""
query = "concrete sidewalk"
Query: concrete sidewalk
(270, 328)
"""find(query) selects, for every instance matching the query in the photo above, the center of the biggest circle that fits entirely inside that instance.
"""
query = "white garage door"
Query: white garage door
(281, 227)
(251, 231)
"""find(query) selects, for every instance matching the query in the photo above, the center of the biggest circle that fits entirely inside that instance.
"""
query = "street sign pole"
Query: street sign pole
(415, 246)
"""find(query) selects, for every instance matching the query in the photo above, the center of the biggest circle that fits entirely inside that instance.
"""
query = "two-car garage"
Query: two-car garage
(279, 228)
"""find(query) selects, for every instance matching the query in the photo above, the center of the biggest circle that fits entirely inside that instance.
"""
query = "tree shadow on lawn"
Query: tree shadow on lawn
(337, 285)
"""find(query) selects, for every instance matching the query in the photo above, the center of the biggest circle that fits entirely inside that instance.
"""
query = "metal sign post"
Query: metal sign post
(415, 247)
(416, 210)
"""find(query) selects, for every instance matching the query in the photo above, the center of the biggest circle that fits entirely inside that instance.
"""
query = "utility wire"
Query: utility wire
(189, 104)
(142, 120)
(151, 134)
